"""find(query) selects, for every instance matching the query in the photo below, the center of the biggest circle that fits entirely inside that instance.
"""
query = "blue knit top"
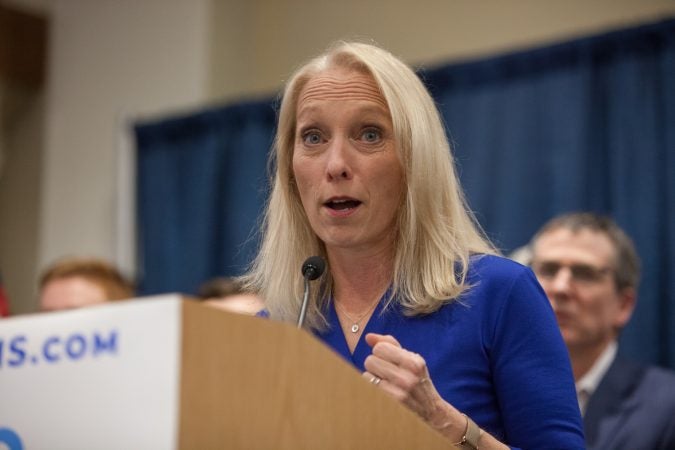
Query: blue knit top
(495, 353)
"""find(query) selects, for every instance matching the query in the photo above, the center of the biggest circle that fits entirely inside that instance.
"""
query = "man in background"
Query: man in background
(78, 282)
(590, 271)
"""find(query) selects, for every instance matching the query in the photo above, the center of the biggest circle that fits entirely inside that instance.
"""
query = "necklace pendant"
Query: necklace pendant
(355, 328)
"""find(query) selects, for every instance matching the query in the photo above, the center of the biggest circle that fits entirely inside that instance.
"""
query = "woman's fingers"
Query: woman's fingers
(394, 390)
(404, 375)
(372, 378)
(401, 358)
(388, 348)
(401, 373)
(374, 338)
(399, 370)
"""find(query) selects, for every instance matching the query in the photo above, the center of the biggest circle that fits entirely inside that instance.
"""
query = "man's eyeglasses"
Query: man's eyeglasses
(581, 273)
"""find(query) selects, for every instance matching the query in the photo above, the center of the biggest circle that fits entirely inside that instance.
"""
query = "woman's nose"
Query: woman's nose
(338, 159)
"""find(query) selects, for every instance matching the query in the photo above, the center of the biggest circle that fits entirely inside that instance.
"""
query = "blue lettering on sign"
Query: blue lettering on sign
(10, 439)
(17, 350)
(101, 346)
(47, 349)
(76, 346)
(14, 350)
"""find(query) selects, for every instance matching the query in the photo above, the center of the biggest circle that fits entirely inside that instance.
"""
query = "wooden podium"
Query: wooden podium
(241, 383)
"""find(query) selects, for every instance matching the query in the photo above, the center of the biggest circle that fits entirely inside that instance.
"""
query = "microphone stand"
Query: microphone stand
(312, 269)
(305, 300)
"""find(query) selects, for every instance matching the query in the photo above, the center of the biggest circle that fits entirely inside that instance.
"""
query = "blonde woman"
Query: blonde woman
(414, 295)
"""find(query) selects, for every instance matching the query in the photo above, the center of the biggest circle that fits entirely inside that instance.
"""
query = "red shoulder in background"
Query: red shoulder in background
(4, 302)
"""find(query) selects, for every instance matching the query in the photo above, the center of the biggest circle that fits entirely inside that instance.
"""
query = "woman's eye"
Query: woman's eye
(311, 138)
(371, 135)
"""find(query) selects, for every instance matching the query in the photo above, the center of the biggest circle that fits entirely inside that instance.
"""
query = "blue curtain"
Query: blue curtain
(583, 125)
(201, 186)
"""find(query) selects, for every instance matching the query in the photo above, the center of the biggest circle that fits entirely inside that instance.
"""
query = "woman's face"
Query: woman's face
(345, 161)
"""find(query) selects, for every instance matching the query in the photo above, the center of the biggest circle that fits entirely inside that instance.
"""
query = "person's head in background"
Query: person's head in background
(76, 282)
(590, 272)
(228, 294)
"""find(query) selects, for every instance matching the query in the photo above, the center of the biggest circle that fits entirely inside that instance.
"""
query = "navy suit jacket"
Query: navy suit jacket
(633, 408)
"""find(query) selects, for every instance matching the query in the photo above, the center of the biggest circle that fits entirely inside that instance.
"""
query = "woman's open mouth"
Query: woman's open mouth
(342, 204)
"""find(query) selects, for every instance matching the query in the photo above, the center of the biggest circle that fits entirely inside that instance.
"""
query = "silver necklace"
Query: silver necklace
(356, 323)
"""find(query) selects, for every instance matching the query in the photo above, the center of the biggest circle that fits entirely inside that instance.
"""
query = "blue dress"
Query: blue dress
(495, 354)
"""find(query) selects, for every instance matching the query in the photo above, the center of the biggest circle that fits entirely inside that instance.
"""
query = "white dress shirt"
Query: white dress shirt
(591, 379)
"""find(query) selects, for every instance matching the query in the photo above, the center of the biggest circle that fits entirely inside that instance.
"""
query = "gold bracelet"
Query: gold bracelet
(472, 435)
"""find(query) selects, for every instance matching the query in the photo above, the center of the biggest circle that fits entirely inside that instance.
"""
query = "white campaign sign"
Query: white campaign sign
(102, 377)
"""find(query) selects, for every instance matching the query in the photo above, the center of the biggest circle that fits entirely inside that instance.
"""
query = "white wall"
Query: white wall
(277, 35)
(111, 61)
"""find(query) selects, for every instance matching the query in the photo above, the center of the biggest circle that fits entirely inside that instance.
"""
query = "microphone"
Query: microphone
(312, 269)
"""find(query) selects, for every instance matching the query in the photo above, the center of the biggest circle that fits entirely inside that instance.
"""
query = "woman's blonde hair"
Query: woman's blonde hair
(437, 233)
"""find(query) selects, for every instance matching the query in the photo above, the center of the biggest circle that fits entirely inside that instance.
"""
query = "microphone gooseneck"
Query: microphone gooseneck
(312, 268)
